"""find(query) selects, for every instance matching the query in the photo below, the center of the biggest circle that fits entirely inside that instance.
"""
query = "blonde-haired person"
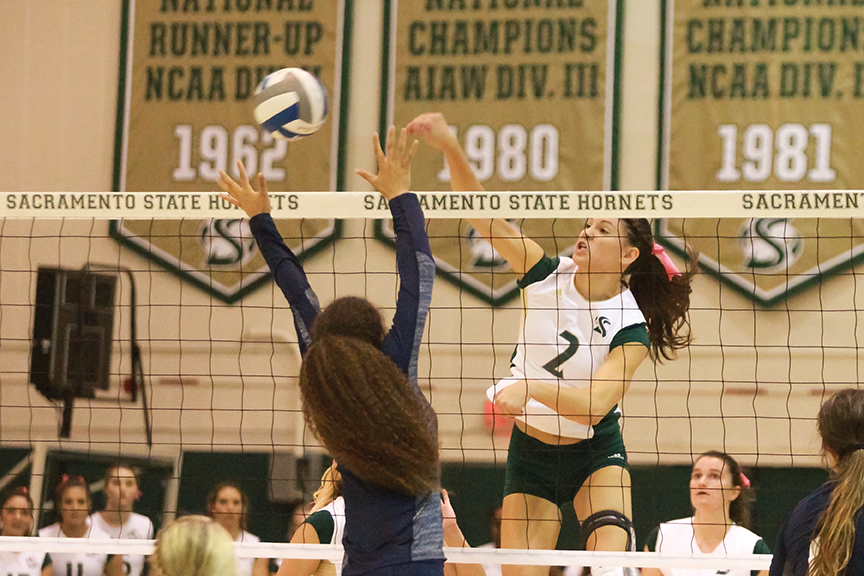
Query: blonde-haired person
(229, 506)
(16, 520)
(721, 496)
(824, 536)
(194, 546)
(324, 525)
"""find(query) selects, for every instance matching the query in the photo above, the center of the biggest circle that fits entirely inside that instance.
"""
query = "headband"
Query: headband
(745, 482)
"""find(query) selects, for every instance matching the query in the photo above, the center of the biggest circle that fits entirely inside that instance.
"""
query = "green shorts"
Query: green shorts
(556, 473)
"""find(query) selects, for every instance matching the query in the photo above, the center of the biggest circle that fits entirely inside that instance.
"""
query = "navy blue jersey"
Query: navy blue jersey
(382, 527)
(792, 551)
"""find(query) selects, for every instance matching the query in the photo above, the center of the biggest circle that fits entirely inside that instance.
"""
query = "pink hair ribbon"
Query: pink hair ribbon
(745, 482)
(664, 258)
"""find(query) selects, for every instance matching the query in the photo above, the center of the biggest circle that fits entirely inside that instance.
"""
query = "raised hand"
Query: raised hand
(243, 195)
(394, 167)
(432, 128)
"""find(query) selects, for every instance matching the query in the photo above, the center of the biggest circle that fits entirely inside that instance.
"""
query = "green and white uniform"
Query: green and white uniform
(138, 527)
(565, 339)
(678, 536)
(77, 563)
(23, 563)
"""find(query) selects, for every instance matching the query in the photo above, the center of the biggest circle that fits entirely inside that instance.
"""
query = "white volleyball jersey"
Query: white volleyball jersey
(138, 527)
(76, 563)
(336, 509)
(245, 565)
(677, 536)
(22, 563)
(564, 339)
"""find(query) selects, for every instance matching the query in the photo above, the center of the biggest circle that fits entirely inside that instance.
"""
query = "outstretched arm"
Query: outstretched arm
(413, 255)
(586, 406)
(520, 252)
(283, 263)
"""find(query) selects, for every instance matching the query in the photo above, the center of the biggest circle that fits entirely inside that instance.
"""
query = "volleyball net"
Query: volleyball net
(185, 362)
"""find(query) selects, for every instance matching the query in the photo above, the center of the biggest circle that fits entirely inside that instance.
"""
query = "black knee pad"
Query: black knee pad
(608, 518)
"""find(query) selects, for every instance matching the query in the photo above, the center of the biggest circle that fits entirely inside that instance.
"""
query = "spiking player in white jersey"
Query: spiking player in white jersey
(16, 515)
(590, 321)
(118, 520)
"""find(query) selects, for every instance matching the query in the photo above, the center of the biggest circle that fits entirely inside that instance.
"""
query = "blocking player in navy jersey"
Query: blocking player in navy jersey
(16, 519)
(824, 536)
(359, 386)
(117, 518)
(73, 502)
(589, 321)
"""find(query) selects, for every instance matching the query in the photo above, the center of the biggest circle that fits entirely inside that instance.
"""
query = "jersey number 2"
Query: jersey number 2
(552, 365)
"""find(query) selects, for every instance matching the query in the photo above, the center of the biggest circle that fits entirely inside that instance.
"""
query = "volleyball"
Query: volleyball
(290, 104)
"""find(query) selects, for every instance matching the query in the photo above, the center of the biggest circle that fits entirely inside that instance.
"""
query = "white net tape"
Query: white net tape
(562, 204)
(455, 555)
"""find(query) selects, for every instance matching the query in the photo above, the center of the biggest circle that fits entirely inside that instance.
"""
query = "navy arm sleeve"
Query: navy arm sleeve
(289, 276)
(416, 274)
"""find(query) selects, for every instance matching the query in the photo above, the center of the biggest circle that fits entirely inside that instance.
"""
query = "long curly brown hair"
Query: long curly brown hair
(364, 409)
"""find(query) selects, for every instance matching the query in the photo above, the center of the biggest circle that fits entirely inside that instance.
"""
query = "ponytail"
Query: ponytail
(662, 296)
(841, 425)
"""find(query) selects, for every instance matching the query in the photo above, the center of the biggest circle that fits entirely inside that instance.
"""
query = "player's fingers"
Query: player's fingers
(409, 157)
(403, 139)
(262, 184)
(230, 199)
(391, 136)
(366, 176)
(226, 182)
(244, 180)
(376, 147)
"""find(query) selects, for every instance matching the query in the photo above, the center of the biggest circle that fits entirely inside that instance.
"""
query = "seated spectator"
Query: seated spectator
(16, 519)
(118, 520)
(720, 495)
(72, 503)
(229, 507)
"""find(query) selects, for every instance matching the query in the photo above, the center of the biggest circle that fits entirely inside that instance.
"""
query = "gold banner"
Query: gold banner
(528, 90)
(764, 95)
(189, 77)
(193, 66)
